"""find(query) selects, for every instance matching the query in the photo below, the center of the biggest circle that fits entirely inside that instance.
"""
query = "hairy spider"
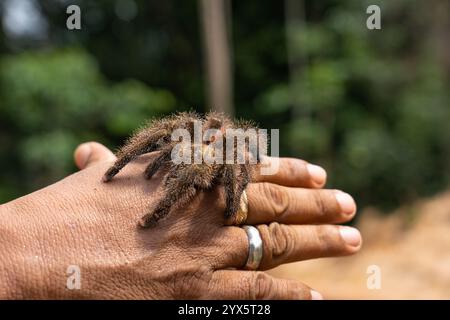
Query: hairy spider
(224, 154)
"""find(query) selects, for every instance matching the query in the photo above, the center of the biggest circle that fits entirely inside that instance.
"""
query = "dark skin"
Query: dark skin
(183, 181)
(81, 221)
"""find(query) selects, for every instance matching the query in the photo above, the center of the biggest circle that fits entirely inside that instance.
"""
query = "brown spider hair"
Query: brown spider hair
(183, 180)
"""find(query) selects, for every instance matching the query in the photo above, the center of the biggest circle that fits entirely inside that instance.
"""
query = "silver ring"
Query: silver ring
(255, 248)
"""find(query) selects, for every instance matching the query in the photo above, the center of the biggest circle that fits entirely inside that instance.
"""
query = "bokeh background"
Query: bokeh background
(371, 106)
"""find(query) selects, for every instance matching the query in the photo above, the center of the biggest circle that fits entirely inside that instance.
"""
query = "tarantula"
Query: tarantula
(184, 179)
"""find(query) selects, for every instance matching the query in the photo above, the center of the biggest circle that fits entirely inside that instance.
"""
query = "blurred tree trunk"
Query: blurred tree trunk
(441, 31)
(216, 40)
(440, 34)
(297, 60)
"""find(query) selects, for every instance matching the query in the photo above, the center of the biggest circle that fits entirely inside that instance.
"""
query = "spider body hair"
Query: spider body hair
(182, 181)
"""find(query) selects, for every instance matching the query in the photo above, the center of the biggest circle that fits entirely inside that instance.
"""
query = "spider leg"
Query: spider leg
(120, 163)
(215, 120)
(156, 135)
(147, 140)
(242, 180)
(177, 194)
(159, 161)
(229, 178)
(261, 138)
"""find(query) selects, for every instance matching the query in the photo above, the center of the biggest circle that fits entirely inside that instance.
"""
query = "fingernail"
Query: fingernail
(346, 202)
(318, 174)
(84, 152)
(350, 235)
(315, 295)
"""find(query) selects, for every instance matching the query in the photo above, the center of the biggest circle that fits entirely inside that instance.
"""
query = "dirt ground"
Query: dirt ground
(411, 247)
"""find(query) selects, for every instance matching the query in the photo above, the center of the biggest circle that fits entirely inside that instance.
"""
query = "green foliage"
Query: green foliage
(371, 106)
(53, 100)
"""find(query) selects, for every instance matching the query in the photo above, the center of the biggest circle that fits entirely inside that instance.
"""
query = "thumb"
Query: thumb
(91, 153)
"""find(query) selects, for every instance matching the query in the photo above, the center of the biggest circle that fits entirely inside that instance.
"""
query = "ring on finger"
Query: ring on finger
(255, 248)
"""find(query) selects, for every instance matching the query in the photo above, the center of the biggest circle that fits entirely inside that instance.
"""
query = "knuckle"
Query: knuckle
(278, 199)
(320, 203)
(278, 241)
(262, 286)
(281, 240)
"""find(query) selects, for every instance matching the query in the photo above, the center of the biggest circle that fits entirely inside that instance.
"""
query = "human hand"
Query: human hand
(190, 254)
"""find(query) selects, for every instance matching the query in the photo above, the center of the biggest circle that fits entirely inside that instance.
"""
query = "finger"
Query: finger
(290, 243)
(257, 285)
(291, 172)
(269, 202)
(90, 153)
